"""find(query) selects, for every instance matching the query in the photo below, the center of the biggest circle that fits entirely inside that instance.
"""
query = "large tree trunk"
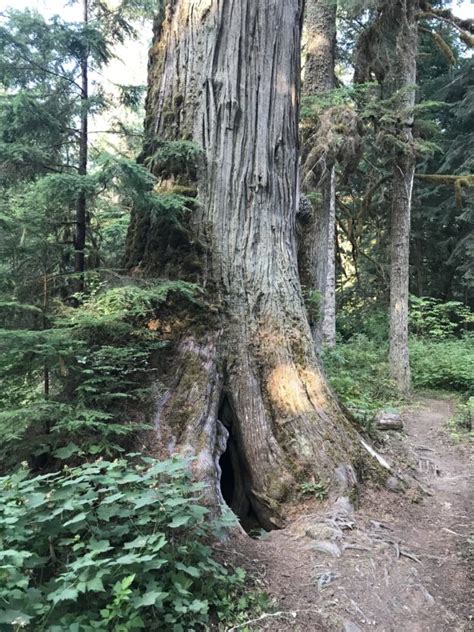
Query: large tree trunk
(225, 75)
(317, 243)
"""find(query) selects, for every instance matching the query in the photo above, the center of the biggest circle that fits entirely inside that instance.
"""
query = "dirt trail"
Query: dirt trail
(400, 563)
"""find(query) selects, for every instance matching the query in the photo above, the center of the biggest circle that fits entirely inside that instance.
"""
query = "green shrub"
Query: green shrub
(445, 364)
(81, 380)
(175, 158)
(358, 372)
(431, 318)
(312, 301)
(315, 489)
(364, 318)
(109, 546)
(462, 420)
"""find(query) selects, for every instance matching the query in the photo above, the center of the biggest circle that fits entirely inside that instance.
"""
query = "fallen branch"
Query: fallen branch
(460, 535)
(376, 455)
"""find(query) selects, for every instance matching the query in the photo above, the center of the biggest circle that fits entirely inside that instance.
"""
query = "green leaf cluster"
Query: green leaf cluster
(110, 545)
(435, 319)
(444, 365)
(359, 373)
(175, 158)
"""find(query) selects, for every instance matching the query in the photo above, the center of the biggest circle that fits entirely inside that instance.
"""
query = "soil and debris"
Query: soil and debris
(401, 562)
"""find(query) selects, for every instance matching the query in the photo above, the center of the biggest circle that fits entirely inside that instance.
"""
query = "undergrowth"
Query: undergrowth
(73, 388)
(359, 373)
(446, 364)
(91, 539)
(113, 545)
(461, 424)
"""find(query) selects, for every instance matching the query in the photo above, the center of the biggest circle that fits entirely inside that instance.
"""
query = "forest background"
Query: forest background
(80, 354)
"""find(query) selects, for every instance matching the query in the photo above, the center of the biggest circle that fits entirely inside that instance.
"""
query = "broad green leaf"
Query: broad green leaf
(78, 518)
(179, 521)
(63, 594)
(68, 451)
(151, 598)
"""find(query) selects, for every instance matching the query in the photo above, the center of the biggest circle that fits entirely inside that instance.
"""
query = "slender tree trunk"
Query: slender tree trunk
(46, 375)
(419, 267)
(246, 382)
(81, 206)
(401, 82)
(317, 244)
(402, 185)
(329, 301)
(388, 49)
(320, 27)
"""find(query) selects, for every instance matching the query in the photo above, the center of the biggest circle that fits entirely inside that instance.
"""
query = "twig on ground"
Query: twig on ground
(379, 525)
(357, 547)
(460, 535)
(281, 613)
(410, 556)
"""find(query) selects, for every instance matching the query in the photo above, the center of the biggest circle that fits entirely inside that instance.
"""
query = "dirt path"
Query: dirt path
(398, 564)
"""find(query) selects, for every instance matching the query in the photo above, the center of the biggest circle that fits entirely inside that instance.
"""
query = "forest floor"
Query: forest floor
(402, 562)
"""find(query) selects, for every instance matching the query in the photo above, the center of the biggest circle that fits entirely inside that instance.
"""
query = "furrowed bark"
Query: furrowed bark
(225, 75)
(192, 403)
(402, 186)
(329, 305)
(317, 243)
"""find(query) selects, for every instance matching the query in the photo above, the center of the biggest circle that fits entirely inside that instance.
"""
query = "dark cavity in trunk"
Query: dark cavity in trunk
(234, 480)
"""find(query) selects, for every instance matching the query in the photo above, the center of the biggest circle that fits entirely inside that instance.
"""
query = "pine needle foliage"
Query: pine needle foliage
(78, 383)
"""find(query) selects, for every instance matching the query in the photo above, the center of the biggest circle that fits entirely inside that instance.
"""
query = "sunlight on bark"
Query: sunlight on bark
(315, 387)
(295, 392)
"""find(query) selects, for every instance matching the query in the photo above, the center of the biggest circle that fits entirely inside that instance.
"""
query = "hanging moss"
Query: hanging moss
(457, 181)
(467, 39)
(444, 48)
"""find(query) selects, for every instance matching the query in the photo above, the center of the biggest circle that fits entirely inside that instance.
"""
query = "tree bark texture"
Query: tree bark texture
(225, 75)
(388, 50)
(316, 246)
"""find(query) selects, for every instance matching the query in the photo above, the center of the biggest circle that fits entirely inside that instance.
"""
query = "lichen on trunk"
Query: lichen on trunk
(226, 77)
